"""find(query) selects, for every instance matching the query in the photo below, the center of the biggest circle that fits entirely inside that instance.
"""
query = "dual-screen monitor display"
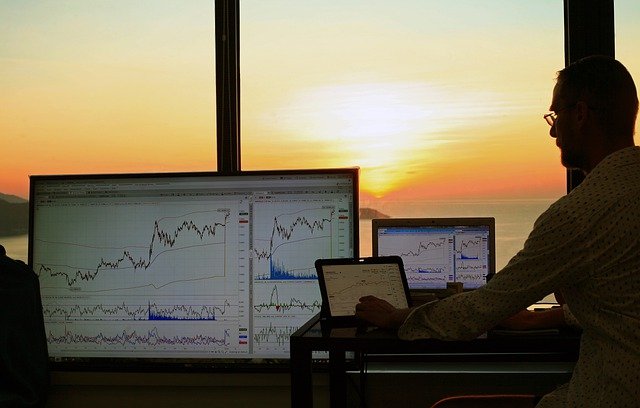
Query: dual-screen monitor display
(190, 266)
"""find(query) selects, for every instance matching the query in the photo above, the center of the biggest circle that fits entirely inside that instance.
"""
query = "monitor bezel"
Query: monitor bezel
(329, 315)
(418, 222)
(231, 364)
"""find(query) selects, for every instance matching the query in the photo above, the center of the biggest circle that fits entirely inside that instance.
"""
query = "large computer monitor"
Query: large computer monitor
(185, 267)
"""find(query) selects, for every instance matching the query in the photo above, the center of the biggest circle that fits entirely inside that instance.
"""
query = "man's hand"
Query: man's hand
(380, 312)
(527, 320)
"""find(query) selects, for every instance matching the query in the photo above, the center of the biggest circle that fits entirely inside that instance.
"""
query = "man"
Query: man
(24, 372)
(585, 246)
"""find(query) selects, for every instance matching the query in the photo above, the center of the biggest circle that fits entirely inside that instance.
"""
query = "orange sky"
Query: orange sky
(426, 107)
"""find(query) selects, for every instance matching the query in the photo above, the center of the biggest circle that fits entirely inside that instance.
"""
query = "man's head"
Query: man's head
(596, 104)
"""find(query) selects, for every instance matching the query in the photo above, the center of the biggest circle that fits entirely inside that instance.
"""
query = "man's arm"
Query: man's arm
(528, 320)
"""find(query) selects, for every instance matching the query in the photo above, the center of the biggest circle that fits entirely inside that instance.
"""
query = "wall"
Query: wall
(141, 390)
(387, 385)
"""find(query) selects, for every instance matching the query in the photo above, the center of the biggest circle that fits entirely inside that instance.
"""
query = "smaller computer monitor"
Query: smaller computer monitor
(436, 251)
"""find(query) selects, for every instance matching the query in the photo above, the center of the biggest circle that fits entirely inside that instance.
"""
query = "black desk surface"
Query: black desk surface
(317, 336)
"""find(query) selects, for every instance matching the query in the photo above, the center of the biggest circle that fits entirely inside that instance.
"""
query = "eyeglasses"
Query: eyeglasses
(551, 117)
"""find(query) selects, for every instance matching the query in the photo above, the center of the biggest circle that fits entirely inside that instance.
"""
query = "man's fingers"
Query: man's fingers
(368, 298)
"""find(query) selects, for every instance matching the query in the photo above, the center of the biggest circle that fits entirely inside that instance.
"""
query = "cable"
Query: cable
(363, 380)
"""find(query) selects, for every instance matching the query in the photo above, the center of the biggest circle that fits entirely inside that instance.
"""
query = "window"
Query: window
(440, 104)
(627, 33)
(104, 87)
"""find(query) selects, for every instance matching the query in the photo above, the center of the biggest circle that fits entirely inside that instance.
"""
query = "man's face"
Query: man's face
(565, 131)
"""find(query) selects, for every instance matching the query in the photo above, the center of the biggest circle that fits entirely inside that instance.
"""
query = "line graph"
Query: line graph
(189, 312)
(468, 248)
(471, 277)
(185, 264)
(427, 269)
(273, 336)
(418, 280)
(472, 274)
(289, 238)
(284, 299)
(432, 249)
(465, 267)
(427, 257)
(428, 276)
(132, 312)
(346, 284)
(140, 275)
(70, 312)
(151, 337)
(280, 308)
(194, 241)
(119, 341)
(354, 288)
(471, 261)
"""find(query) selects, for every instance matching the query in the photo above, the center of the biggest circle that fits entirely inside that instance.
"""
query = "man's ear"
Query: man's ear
(581, 112)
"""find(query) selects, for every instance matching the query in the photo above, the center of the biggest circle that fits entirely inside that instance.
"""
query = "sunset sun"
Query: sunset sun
(388, 129)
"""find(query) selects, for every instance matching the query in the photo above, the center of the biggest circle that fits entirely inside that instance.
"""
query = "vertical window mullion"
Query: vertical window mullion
(227, 84)
(588, 30)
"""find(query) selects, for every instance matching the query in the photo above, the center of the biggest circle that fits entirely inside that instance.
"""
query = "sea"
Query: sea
(514, 220)
(16, 246)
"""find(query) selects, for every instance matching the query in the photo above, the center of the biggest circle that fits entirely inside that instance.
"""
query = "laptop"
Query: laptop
(438, 253)
(344, 281)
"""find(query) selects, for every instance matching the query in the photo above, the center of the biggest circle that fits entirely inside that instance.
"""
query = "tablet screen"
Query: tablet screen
(343, 284)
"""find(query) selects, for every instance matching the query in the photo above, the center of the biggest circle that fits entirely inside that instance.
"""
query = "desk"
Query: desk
(314, 336)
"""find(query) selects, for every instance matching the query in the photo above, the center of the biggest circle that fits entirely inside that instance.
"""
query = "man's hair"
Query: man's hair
(606, 86)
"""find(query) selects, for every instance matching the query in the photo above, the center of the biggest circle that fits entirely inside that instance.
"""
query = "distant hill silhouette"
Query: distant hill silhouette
(14, 215)
(13, 199)
(370, 213)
